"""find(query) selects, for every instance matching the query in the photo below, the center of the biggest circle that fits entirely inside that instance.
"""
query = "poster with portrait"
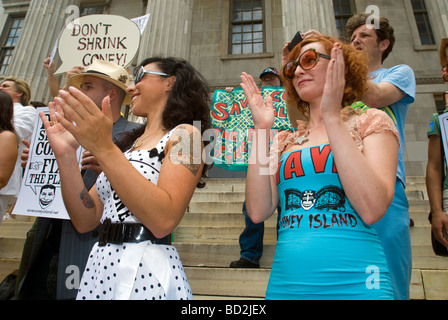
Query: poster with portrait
(40, 194)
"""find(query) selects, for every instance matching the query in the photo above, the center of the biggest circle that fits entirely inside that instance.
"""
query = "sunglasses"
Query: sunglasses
(142, 71)
(307, 61)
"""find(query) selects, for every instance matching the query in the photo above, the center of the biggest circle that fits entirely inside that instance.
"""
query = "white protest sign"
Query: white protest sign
(103, 37)
(141, 22)
(40, 194)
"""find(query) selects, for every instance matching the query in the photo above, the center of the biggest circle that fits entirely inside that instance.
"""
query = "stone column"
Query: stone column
(43, 23)
(441, 6)
(305, 15)
(168, 32)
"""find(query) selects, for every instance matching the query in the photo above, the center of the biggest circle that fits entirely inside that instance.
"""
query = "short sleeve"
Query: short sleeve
(434, 126)
(375, 121)
(403, 77)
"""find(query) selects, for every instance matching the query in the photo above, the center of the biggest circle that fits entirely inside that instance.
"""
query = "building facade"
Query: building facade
(222, 38)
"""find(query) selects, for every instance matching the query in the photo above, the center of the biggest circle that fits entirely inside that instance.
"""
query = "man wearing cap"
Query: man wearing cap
(251, 239)
(270, 77)
(57, 245)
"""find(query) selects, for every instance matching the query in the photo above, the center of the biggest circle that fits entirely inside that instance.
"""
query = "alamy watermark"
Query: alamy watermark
(373, 21)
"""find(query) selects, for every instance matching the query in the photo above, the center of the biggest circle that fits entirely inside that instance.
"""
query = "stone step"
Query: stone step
(216, 207)
(11, 248)
(14, 229)
(216, 234)
(12, 239)
(424, 258)
(219, 196)
(225, 185)
(435, 284)
(7, 266)
(419, 206)
(226, 282)
(420, 218)
(218, 255)
(234, 219)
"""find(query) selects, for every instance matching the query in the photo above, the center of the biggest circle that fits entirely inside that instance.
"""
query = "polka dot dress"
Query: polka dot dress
(134, 271)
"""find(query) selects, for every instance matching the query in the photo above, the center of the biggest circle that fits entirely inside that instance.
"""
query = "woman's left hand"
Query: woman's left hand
(90, 126)
(334, 85)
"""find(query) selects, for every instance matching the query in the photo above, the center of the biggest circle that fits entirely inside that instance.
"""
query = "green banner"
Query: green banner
(232, 120)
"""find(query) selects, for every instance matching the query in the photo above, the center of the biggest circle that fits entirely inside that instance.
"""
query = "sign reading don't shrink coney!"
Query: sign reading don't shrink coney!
(103, 37)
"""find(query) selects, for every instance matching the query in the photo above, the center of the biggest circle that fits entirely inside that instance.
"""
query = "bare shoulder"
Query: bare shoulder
(8, 136)
(185, 148)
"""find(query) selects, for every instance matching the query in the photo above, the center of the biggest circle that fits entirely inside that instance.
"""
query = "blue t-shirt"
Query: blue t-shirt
(401, 76)
(324, 249)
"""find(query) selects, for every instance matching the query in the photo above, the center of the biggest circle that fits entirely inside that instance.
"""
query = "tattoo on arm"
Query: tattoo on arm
(188, 152)
(87, 199)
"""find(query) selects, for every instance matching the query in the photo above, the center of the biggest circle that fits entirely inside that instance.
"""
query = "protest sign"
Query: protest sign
(40, 194)
(103, 37)
(141, 22)
(232, 120)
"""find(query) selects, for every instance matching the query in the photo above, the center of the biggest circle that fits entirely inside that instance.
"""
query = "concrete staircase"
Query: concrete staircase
(207, 240)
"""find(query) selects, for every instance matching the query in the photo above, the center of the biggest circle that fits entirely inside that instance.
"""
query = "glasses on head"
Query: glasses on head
(307, 61)
(142, 71)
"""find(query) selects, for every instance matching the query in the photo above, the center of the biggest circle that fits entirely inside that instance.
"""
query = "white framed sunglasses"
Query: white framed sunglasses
(142, 71)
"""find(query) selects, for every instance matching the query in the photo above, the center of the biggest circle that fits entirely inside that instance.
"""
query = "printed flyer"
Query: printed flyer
(40, 194)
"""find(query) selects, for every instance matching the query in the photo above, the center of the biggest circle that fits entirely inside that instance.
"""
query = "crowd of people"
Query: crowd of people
(335, 232)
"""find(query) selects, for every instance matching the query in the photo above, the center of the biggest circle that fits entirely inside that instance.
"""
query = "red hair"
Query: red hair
(356, 76)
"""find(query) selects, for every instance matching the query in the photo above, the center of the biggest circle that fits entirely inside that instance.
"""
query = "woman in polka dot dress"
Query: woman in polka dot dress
(141, 196)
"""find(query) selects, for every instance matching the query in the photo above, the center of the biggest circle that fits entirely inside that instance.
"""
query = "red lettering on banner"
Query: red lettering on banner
(222, 113)
(235, 109)
(274, 96)
(281, 114)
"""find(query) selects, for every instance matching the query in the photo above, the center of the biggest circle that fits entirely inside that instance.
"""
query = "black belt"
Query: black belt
(119, 233)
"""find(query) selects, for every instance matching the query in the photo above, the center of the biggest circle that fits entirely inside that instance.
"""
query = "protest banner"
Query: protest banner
(104, 37)
(233, 124)
(40, 194)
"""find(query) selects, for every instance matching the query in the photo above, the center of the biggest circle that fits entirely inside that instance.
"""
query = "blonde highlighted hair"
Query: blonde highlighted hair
(21, 86)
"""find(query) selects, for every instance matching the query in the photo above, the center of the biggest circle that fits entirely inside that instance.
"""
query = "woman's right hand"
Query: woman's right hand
(262, 112)
(61, 141)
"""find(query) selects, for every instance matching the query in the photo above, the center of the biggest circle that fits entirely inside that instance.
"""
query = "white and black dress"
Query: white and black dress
(133, 271)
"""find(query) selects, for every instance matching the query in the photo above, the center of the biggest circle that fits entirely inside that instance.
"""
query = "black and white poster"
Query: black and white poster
(40, 194)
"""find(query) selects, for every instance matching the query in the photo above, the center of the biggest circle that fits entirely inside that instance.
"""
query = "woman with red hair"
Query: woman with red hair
(334, 178)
